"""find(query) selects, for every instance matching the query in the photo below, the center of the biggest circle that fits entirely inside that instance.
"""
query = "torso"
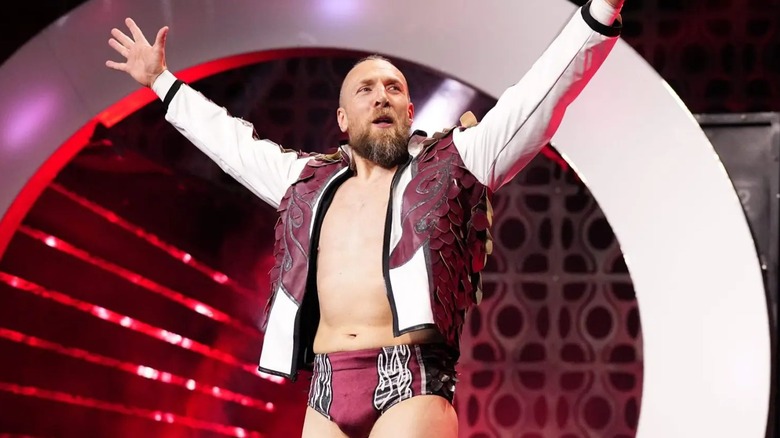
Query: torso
(354, 307)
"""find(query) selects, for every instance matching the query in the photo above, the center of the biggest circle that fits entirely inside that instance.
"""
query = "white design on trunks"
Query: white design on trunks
(395, 378)
(321, 391)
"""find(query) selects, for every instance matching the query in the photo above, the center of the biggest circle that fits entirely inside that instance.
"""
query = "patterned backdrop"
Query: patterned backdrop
(555, 348)
(719, 55)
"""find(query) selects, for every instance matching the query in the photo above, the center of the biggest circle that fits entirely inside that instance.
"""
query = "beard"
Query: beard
(387, 148)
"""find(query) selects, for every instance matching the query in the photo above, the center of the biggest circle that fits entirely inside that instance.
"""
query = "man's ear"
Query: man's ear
(341, 118)
(410, 111)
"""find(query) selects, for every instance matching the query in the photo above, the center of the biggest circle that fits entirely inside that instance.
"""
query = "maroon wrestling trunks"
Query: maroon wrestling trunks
(353, 388)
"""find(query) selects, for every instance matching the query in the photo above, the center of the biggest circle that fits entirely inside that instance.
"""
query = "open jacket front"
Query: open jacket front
(438, 216)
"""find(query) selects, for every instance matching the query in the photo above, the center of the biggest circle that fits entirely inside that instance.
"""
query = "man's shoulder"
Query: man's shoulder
(421, 139)
(330, 159)
(319, 167)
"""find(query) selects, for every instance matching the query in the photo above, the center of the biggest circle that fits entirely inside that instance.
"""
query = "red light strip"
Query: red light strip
(139, 370)
(132, 324)
(153, 240)
(167, 417)
(132, 277)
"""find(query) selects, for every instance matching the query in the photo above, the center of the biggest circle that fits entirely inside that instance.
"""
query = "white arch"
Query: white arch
(641, 153)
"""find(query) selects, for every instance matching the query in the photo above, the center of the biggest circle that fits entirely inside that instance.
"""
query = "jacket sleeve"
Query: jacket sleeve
(527, 114)
(260, 165)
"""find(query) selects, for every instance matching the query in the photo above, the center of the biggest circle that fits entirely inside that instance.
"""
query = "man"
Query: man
(379, 246)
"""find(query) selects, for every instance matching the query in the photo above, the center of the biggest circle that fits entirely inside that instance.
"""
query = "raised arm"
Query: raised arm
(527, 114)
(260, 165)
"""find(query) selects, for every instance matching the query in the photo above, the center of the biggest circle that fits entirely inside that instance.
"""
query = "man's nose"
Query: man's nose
(380, 98)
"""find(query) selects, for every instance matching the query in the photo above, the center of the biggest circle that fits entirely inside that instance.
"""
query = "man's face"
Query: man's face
(376, 113)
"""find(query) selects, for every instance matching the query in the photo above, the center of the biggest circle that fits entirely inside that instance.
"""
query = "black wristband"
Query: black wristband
(172, 92)
(610, 31)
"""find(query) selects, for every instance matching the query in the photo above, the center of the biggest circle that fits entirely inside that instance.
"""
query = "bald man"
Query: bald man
(379, 246)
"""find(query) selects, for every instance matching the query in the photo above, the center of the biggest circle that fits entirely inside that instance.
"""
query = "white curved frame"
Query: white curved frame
(643, 156)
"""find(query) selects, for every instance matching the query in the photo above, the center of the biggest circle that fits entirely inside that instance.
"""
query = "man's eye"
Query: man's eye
(363, 89)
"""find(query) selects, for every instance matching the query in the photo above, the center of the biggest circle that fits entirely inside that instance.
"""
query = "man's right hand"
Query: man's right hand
(143, 62)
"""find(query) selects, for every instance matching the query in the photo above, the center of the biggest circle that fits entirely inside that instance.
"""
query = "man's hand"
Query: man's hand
(143, 62)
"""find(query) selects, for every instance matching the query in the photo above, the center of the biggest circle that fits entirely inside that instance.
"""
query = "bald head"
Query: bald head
(364, 67)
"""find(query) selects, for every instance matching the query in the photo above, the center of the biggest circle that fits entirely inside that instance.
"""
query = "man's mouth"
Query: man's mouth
(383, 121)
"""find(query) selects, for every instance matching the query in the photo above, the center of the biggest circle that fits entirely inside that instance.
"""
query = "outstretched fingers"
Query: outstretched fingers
(162, 36)
(121, 66)
(143, 62)
(122, 50)
(138, 36)
(121, 37)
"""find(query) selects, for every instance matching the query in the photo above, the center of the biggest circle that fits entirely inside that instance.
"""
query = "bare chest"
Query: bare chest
(355, 220)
